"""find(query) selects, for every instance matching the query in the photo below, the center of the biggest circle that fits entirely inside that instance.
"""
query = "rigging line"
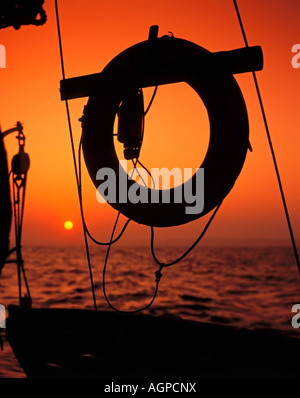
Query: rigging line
(20, 229)
(73, 152)
(18, 212)
(18, 223)
(147, 110)
(15, 198)
(189, 249)
(64, 76)
(148, 172)
(81, 206)
(157, 273)
(24, 183)
(137, 171)
(25, 278)
(152, 99)
(162, 265)
(271, 146)
(103, 281)
(145, 168)
(60, 41)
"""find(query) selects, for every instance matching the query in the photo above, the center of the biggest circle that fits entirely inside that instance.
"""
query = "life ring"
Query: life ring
(169, 59)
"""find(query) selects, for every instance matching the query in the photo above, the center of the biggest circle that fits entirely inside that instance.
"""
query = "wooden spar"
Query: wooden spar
(222, 62)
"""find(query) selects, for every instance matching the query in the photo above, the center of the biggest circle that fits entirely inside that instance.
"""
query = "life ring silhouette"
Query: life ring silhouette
(151, 63)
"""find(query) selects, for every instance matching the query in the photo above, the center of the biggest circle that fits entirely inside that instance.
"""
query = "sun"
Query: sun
(68, 225)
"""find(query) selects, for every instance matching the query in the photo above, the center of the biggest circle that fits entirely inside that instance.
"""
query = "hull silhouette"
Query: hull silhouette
(70, 343)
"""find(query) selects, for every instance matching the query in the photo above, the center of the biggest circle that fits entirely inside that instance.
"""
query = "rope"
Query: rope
(158, 274)
(157, 280)
(17, 225)
(163, 265)
(73, 153)
(151, 101)
(270, 145)
(148, 172)
(18, 206)
(97, 242)
(137, 171)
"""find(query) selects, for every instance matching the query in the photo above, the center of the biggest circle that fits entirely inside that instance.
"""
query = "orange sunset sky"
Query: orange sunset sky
(93, 32)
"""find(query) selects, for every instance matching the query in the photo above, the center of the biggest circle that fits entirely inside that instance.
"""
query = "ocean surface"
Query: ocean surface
(244, 287)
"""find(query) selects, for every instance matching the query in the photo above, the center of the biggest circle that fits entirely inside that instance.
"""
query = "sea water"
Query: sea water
(245, 287)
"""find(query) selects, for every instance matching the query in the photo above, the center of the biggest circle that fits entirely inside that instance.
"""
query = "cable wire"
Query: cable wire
(270, 145)
(73, 152)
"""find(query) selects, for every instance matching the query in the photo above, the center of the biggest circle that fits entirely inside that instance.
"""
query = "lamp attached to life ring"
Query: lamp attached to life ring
(131, 123)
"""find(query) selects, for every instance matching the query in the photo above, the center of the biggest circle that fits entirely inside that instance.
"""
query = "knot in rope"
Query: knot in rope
(158, 273)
